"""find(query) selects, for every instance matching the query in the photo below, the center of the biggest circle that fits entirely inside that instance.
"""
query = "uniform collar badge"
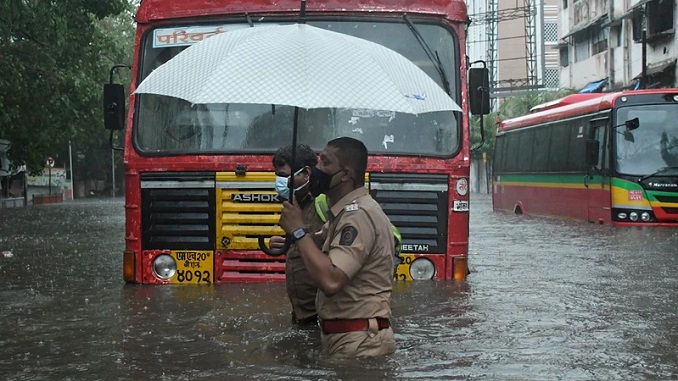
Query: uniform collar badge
(352, 207)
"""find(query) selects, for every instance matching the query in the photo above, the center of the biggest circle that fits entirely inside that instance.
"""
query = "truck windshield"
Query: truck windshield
(165, 125)
(653, 145)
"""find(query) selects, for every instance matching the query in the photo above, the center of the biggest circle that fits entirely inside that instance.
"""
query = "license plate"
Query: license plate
(193, 267)
(403, 270)
(460, 206)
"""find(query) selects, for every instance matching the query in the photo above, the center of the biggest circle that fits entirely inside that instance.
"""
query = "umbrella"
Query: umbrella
(297, 65)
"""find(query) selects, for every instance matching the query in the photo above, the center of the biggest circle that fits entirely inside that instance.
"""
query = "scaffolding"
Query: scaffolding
(491, 20)
(531, 42)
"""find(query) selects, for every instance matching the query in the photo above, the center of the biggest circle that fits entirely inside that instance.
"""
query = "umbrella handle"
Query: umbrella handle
(275, 252)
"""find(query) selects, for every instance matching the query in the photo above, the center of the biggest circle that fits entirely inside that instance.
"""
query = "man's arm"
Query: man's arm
(329, 278)
(324, 274)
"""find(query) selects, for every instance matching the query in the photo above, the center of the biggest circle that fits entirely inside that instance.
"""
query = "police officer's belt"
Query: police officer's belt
(351, 325)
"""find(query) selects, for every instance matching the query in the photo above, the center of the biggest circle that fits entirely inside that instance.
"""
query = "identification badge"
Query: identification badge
(352, 207)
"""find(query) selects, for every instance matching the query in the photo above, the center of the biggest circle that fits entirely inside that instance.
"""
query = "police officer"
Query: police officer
(300, 288)
(354, 269)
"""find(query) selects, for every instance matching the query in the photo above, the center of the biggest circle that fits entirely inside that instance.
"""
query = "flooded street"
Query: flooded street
(546, 300)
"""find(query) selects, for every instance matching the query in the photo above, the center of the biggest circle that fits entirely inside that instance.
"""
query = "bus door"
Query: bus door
(597, 181)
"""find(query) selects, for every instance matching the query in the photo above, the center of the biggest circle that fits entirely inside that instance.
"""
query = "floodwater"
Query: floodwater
(546, 300)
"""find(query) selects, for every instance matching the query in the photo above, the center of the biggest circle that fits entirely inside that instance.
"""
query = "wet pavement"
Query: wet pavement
(546, 300)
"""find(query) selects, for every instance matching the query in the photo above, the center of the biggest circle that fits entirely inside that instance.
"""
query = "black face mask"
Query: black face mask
(320, 181)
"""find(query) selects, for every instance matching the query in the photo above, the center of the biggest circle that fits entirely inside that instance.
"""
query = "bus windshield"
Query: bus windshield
(165, 125)
(653, 145)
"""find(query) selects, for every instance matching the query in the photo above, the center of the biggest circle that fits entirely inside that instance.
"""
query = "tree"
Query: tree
(56, 56)
(92, 148)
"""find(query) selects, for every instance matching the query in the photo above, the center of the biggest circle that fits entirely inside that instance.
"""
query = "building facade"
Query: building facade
(617, 44)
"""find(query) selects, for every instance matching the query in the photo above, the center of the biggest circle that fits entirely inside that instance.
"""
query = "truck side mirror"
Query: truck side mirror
(479, 90)
(114, 106)
(592, 152)
(632, 124)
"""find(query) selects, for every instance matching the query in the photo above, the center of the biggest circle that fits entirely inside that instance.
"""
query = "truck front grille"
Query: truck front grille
(177, 211)
(417, 205)
(247, 206)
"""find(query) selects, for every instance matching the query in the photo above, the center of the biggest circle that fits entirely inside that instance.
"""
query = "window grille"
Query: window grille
(550, 32)
(552, 77)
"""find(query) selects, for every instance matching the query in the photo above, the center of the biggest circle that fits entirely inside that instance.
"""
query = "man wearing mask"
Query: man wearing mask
(354, 269)
(300, 288)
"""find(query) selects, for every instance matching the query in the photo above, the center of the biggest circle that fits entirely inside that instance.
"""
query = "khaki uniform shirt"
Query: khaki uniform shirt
(360, 243)
(300, 288)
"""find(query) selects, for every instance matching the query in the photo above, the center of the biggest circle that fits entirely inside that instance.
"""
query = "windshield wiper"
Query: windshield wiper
(659, 172)
(433, 56)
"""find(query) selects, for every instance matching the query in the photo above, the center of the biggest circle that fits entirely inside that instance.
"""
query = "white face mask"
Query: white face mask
(282, 185)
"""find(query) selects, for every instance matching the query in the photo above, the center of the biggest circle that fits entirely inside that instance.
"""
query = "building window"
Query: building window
(660, 16)
(655, 18)
(598, 40)
(638, 25)
(565, 56)
(581, 47)
(615, 38)
(565, 4)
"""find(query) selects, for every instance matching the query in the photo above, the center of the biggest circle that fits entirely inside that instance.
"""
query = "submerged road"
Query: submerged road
(546, 300)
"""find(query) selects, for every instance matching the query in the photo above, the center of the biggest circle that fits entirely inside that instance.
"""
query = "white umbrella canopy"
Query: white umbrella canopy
(297, 65)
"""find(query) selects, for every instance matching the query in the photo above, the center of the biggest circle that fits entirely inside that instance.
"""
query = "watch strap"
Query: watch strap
(305, 230)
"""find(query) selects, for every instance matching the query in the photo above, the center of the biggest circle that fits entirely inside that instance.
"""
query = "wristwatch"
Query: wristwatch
(300, 233)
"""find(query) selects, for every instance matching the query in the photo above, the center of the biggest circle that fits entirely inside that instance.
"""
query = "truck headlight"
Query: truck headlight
(164, 266)
(422, 269)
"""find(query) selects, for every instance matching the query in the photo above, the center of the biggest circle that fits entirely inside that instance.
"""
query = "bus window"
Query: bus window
(598, 134)
(540, 152)
(525, 150)
(668, 148)
(500, 155)
(576, 160)
(512, 147)
(559, 147)
(266, 128)
(645, 153)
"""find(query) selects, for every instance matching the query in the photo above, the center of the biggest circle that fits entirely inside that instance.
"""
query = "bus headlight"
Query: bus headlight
(633, 215)
(422, 269)
(164, 266)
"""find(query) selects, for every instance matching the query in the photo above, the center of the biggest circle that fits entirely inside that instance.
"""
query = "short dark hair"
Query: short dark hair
(304, 157)
(352, 153)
